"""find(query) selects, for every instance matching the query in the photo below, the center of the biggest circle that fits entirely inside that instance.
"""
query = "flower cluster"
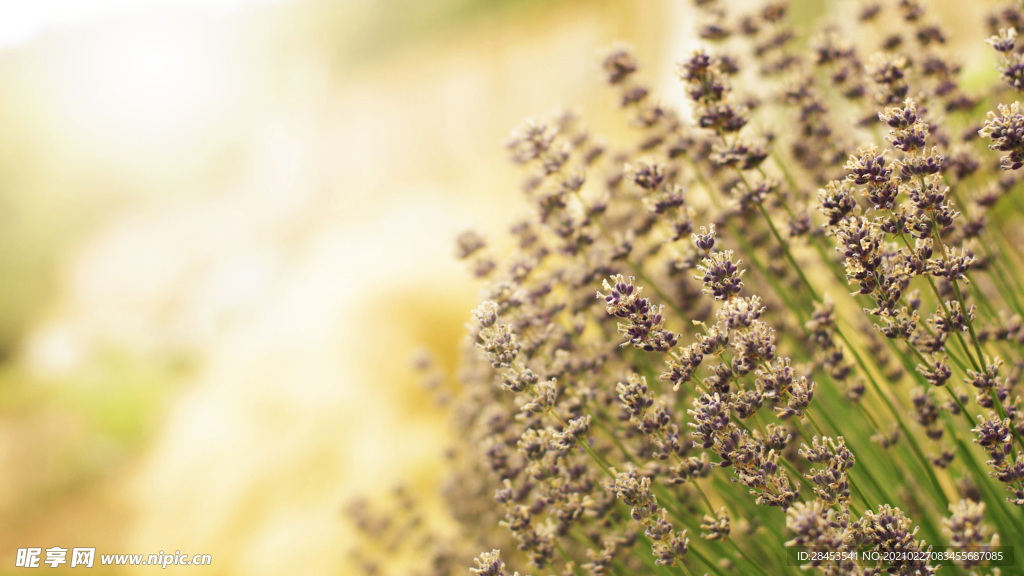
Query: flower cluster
(795, 335)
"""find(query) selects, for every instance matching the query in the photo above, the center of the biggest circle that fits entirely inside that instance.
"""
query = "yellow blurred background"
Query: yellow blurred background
(225, 228)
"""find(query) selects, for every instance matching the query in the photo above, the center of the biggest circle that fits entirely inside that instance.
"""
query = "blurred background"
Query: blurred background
(225, 228)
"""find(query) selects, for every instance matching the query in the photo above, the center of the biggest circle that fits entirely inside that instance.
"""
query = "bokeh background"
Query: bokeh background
(225, 228)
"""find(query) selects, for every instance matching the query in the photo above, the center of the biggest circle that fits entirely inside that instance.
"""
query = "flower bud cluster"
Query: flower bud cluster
(718, 374)
(668, 545)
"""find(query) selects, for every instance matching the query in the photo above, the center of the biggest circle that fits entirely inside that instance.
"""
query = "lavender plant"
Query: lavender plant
(714, 342)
